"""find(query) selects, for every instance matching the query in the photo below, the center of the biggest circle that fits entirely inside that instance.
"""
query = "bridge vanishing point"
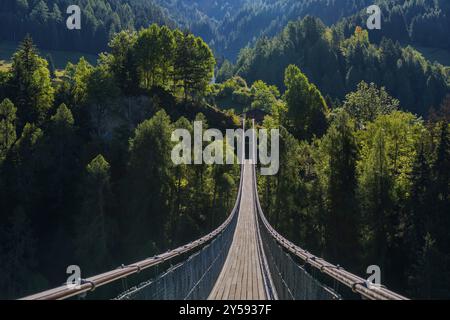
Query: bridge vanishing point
(243, 259)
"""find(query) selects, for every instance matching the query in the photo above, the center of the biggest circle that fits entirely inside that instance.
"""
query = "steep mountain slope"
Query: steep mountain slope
(227, 26)
(336, 64)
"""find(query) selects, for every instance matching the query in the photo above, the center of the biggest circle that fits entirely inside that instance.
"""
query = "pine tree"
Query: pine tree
(123, 62)
(93, 225)
(368, 102)
(342, 223)
(150, 173)
(419, 219)
(51, 65)
(182, 193)
(101, 96)
(441, 188)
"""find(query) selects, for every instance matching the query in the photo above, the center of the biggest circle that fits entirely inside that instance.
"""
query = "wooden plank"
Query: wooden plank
(241, 277)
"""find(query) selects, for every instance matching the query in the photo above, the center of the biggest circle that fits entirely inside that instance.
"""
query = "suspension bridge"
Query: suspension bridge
(243, 259)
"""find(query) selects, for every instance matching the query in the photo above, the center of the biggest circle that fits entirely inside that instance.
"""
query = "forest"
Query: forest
(85, 169)
(364, 183)
(336, 64)
(43, 20)
(225, 27)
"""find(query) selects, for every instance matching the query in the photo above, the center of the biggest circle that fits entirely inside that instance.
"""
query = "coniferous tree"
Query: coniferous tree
(193, 64)
(7, 127)
(150, 174)
(368, 102)
(51, 65)
(18, 255)
(30, 85)
(342, 222)
(123, 61)
(307, 110)
(93, 225)
(149, 54)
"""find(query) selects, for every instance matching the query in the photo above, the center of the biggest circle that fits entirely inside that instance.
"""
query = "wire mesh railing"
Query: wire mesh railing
(285, 272)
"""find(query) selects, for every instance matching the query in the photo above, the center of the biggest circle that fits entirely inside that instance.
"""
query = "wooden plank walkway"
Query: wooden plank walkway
(241, 277)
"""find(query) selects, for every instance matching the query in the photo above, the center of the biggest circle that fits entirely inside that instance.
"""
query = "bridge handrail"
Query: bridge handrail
(356, 283)
(90, 284)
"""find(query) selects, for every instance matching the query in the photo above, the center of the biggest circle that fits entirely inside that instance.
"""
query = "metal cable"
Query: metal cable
(357, 284)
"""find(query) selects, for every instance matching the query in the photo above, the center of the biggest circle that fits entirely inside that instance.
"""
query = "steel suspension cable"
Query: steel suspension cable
(356, 283)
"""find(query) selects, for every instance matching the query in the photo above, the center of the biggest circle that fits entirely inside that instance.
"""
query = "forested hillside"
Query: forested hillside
(85, 166)
(336, 64)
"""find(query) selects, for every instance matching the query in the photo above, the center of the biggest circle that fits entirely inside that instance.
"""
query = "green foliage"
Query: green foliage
(76, 77)
(7, 127)
(160, 57)
(337, 64)
(337, 156)
(369, 102)
(93, 237)
(225, 72)
(407, 21)
(279, 200)
(63, 117)
(30, 85)
(20, 258)
(235, 24)
(376, 193)
(264, 97)
(368, 184)
(397, 134)
(123, 61)
(150, 54)
(55, 175)
(227, 27)
(51, 65)
(45, 21)
(150, 175)
(234, 94)
(307, 110)
(101, 95)
(193, 65)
